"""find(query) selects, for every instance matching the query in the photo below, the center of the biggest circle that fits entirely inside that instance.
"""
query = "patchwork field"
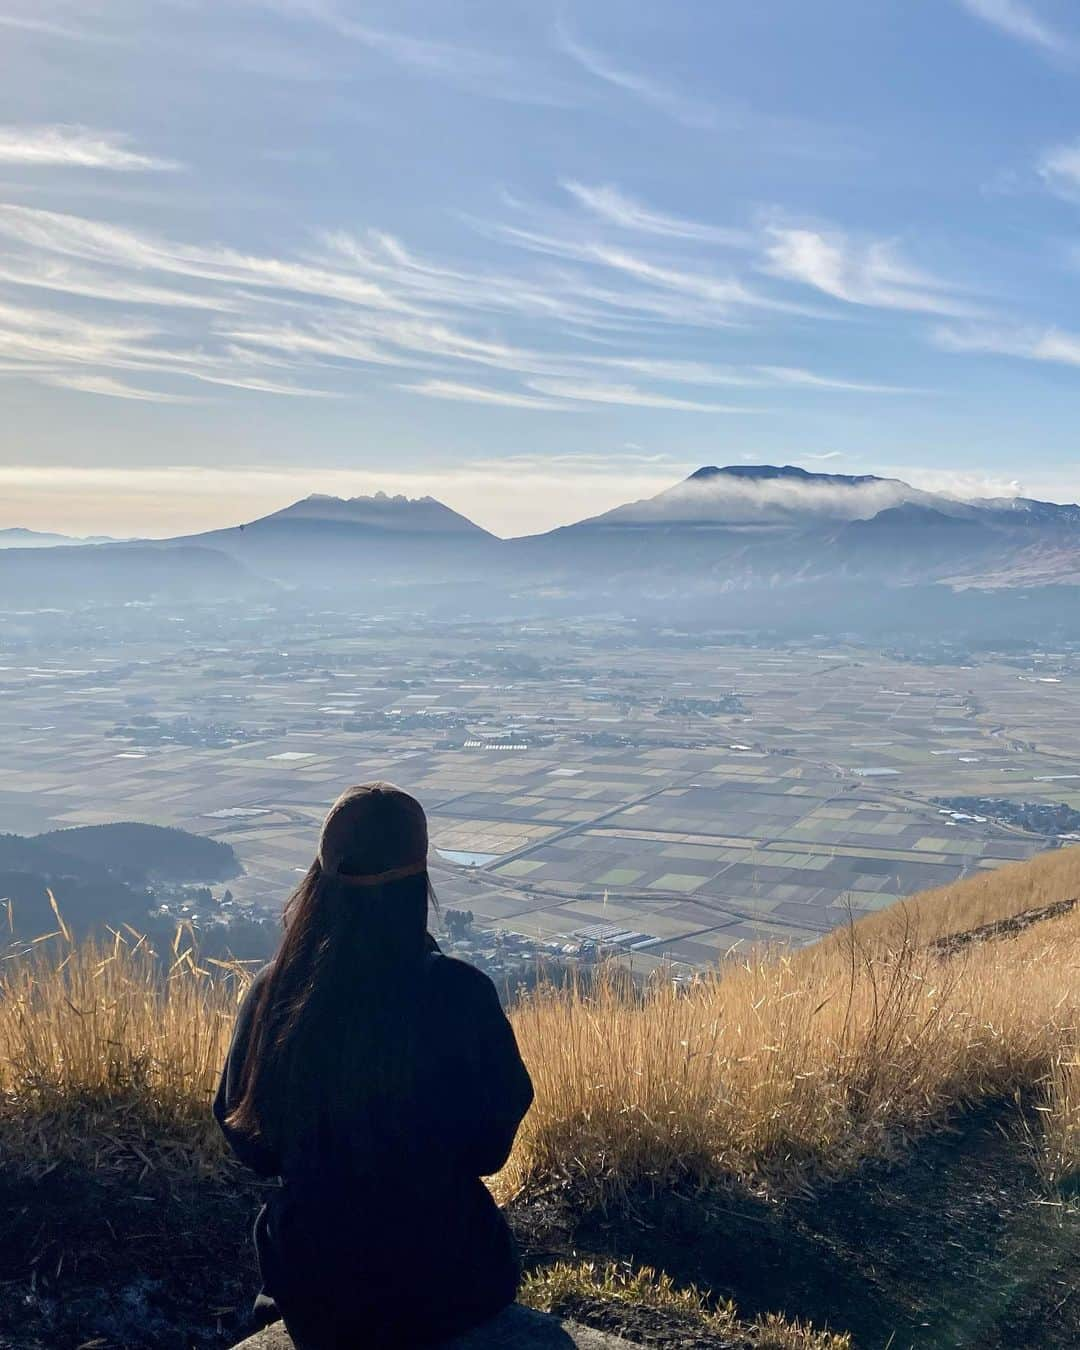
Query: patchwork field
(661, 794)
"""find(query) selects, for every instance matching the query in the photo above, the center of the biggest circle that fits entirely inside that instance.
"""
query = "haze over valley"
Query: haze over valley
(746, 710)
(750, 547)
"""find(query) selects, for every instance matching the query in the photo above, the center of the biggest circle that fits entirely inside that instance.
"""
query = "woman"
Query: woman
(379, 1080)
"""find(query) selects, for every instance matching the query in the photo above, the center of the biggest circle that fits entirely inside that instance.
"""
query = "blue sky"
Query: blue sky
(534, 258)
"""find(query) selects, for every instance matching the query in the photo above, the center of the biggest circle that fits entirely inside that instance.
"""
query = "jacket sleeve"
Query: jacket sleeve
(252, 1152)
(496, 1091)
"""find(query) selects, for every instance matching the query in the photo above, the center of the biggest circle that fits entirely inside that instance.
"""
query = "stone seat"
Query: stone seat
(516, 1328)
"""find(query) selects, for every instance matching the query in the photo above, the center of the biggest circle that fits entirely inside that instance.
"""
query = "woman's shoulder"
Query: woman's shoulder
(260, 977)
(251, 993)
(458, 979)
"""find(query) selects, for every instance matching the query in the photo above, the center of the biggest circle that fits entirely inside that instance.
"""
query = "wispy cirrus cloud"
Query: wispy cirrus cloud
(689, 112)
(336, 317)
(627, 395)
(688, 294)
(108, 386)
(1055, 345)
(809, 379)
(471, 393)
(1019, 20)
(86, 354)
(48, 274)
(486, 73)
(616, 208)
(101, 242)
(727, 113)
(35, 23)
(37, 336)
(76, 147)
(870, 274)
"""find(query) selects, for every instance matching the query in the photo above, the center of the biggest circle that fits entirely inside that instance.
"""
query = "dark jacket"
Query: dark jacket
(406, 1246)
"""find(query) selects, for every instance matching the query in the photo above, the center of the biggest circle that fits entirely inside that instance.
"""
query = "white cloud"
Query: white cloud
(968, 486)
(109, 387)
(616, 208)
(1020, 21)
(85, 354)
(97, 241)
(48, 27)
(425, 55)
(74, 147)
(807, 379)
(734, 499)
(687, 111)
(36, 336)
(1033, 344)
(719, 290)
(1059, 168)
(627, 395)
(471, 393)
(330, 320)
(682, 295)
(260, 386)
(678, 372)
(868, 274)
(424, 344)
(486, 73)
(51, 275)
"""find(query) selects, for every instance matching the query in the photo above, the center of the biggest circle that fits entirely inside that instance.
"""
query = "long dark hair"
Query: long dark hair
(332, 1043)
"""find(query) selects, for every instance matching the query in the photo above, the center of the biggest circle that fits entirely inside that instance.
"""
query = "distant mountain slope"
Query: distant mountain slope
(16, 537)
(764, 495)
(397, 515)
(367, 544)
(763, 525)
(779, 547)
(119, 573)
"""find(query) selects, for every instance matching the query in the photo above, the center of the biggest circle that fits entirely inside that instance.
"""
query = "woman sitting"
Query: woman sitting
(380, 1081)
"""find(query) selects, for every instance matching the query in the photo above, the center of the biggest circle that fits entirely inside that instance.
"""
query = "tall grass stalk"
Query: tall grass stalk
(771, 1070)
(777, 1068)
(94, 1036)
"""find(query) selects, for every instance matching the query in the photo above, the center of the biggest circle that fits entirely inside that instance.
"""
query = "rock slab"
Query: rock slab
(516, 1328)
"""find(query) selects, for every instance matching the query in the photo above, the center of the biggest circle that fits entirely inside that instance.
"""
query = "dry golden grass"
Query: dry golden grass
(1059, 1154)
(770, 1071)
(780, 1067)
(95, 1038)
(563, 1286)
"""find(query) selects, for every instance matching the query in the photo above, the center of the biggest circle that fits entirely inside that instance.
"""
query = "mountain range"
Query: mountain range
(356, 544)
(20, 538)
(740, 544)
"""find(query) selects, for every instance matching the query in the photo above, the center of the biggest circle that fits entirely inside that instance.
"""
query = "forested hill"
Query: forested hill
(103, 875)
(138, 852)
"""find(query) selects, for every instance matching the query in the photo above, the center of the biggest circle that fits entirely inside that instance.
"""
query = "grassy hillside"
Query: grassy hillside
(771, 1083)
(777, 1069)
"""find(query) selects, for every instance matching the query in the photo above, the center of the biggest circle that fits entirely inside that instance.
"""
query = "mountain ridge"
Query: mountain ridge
(378, 510)
(17, 536)
(741, 544)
